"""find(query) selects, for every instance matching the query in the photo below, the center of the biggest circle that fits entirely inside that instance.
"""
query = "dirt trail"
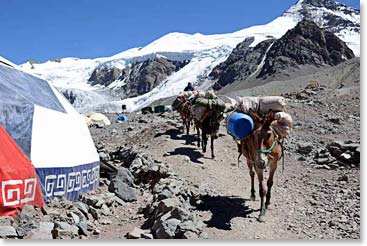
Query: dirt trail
(308, 200)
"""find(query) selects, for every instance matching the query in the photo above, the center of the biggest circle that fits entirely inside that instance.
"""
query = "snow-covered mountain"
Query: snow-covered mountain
(204, 52)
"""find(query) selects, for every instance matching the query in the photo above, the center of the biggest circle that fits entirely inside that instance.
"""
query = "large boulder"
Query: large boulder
(122, 185)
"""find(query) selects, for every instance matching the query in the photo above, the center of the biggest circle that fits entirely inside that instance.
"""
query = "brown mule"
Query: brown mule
(209, 126)
(184, 109)
(263, 144)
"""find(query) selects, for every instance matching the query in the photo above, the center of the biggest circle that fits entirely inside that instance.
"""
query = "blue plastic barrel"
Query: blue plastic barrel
(239, 125)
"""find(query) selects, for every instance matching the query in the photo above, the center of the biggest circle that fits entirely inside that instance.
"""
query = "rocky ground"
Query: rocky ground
(155, 182)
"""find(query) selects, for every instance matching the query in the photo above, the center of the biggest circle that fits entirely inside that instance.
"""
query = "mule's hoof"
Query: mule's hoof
(213, 156)
(267, 205)
(253, 198)
(261, 218)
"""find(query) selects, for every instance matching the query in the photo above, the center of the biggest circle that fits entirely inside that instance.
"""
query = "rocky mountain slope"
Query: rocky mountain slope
(305, 44)
(203, 51)
(137, 78)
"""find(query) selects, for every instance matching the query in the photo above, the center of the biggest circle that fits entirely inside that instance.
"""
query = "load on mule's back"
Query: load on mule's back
(259, 125)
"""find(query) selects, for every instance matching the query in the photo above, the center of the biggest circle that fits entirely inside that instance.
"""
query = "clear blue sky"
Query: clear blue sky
(46, 29)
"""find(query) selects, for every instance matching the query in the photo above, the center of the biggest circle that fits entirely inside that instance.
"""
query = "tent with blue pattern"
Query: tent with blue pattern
(50, 132)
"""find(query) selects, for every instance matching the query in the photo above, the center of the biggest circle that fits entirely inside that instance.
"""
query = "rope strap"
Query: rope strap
(266, 151)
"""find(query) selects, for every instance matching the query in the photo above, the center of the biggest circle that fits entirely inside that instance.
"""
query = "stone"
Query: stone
(345, 156)
(66, 203)
(105, 221)
(180, 214)
(74, 216)
(147, 236)
(190, 225)
(28, 211)
(100, 202)
(322, 160)
(6, 220)
(167, 205)
(343, 178)
(164, 194)
(8, 232)
(326, 167)
(190, 235)
(304, 148)
(167, 229)
(105, 210)
(122, 185)
(103, 156)
(90, 200)
(63, 230)
(123, 191)
(95, 213)
(44, 231)
(136, 233)
(50, 211)
(349, 146)
(114, 199)
(82, 207)
(83, 228)
(67, 227)
(96, 231)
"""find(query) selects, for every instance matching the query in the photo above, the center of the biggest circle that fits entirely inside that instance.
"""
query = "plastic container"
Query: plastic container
(239, 125)
(122, 118)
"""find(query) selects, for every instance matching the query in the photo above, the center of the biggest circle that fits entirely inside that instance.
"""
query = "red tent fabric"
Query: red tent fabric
(19, 183)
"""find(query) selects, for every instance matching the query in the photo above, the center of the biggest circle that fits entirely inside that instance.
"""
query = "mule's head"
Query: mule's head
(212, 122)
(258, 121)
(178, 102)
(266, 129)
(263, 136)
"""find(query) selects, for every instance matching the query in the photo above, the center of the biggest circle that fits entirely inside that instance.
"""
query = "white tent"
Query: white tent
(50, 132)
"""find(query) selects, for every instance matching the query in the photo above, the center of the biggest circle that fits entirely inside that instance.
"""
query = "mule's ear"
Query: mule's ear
(254, 116)
(270, 116)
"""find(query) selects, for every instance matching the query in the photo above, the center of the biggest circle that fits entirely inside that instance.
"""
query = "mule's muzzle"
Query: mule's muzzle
(260, 163)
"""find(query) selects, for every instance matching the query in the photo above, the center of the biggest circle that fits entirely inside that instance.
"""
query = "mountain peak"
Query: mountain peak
(330, 4)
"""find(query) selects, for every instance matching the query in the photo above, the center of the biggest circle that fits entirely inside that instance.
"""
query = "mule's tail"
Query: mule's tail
(239, 155)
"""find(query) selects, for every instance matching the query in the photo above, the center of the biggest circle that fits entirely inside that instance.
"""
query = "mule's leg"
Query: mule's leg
(273, 167)
(198, 132)
(183, 124)
(204, 139)
(187, 127)
(252, 175)
(262, 192)
(212, 146)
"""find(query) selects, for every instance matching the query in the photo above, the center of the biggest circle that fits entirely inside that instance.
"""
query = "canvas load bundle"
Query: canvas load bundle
(247, 103)
(274, 103)
(202, 94)
(202, 105)
(186, 94)
(261, 104)
(282, 124)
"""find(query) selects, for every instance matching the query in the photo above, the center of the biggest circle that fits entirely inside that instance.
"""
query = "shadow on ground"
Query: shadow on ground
(177, 134)
(192, 153)
(223, 209)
